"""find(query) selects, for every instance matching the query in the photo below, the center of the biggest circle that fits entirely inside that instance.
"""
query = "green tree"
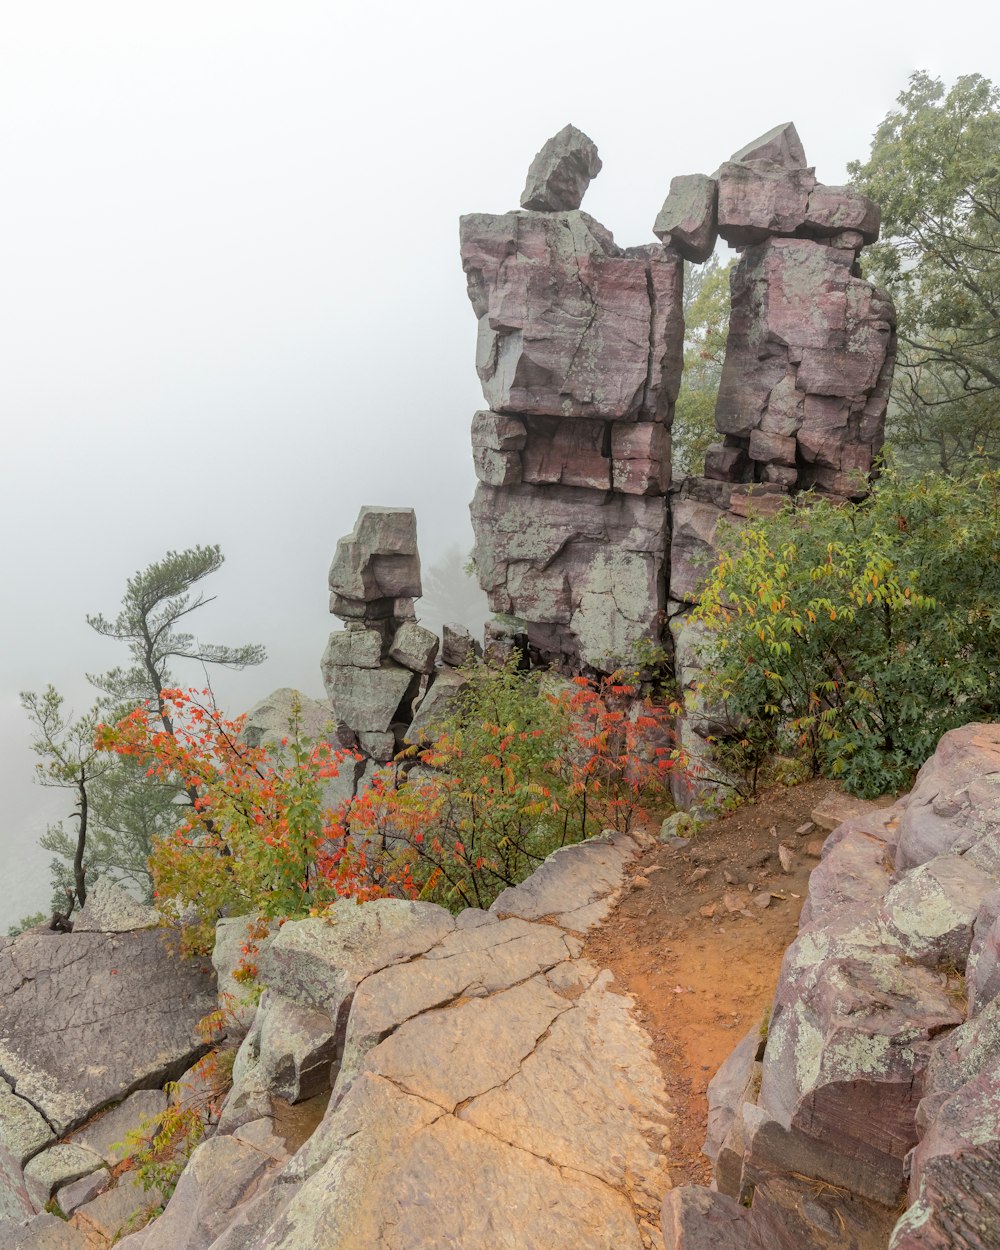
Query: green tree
(706, 325)
(70, 760)
(156, 600)
(123, 809)
(857, 635)
(933, 168)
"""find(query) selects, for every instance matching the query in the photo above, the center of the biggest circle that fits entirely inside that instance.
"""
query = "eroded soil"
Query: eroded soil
(699, 937)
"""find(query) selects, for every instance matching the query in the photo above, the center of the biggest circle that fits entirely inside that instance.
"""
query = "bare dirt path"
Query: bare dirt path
(698, 946)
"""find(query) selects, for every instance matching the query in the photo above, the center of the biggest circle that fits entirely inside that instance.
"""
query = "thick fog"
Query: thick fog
(231, 306)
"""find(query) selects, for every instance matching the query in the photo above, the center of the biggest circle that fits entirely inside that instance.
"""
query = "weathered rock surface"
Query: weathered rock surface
(583, 570)
(872, 1072)
(123, 1001)
(493, 1087)
(561, 172)
(110, 908)
(688, 220)
(570, 324)
(60, 1165)
(219, 1175)
(808, 361)
(414, 647)
(44, 1232)
(372, 669)
(955, 804)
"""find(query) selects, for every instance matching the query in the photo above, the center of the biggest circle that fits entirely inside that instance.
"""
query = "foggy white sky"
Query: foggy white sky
(231, 306)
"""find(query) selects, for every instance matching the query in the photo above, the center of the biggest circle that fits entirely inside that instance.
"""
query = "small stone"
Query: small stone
(732, 902)
(804, 830)
(762, 900)
(708, 912)
(699, 874)
(814, 849)
(639, 883)
(787, 857)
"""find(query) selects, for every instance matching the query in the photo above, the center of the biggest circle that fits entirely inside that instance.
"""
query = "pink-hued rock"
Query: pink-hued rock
(834, 210)
(687, 220)
(583, 569)
(697, 1219)
(756, 203)
(855, 872)
(570, 325)
(931, 911)
(953, 1188)
(692, 546)
(955, 803)
(561, 172)
(779, 148)
(982, 973)
(567, 452)
(850, 1038)
(810, 347)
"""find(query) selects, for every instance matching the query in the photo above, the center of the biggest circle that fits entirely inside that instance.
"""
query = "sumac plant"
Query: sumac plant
(257, 836)
(856, 635)
(515, 770)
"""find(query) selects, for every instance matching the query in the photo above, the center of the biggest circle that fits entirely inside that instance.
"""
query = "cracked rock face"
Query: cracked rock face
(89, 1017)
(491, 1086)
(579, 355)
(879, 1063)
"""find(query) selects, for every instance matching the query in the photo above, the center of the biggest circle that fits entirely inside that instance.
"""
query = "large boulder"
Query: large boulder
(955, 804)
(688, 219)
(561, 172)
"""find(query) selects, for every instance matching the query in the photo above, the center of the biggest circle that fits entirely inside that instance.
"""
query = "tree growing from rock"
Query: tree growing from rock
(123, 808)
(933, 168)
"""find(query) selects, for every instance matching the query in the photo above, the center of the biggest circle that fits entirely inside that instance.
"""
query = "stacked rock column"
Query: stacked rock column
(377, 666)
(579, 355)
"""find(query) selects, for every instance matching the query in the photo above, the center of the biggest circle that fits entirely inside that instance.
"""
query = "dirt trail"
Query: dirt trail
(696, 945)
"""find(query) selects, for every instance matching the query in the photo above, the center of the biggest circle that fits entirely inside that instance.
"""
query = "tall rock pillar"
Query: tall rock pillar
(579, 354)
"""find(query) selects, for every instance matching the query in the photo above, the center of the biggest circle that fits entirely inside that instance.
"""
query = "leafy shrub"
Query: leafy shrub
(257, 837)
(157, 1150)
(514, 772)
(856, 635)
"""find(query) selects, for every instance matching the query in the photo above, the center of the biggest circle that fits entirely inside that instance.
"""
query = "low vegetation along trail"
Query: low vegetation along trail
(699, 938)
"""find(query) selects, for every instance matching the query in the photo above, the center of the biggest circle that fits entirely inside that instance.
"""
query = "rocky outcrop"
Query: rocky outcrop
(93, 1019)
(489, 1086)
(59, 1051)
(879, 1074)
(579, 355)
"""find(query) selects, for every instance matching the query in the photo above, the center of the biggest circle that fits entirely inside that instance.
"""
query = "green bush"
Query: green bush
(855, 635)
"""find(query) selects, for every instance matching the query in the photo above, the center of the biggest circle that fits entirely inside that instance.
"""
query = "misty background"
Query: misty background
(231, 304)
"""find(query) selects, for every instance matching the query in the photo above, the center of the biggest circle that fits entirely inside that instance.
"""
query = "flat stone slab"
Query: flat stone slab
(838, 808)
(44, 1232)
(576, 887)
(89, 1017)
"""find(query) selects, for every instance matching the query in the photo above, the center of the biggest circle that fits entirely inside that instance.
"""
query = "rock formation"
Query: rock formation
(878, 1073)
(489, 1086)
(579, 355)
(373, 668)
